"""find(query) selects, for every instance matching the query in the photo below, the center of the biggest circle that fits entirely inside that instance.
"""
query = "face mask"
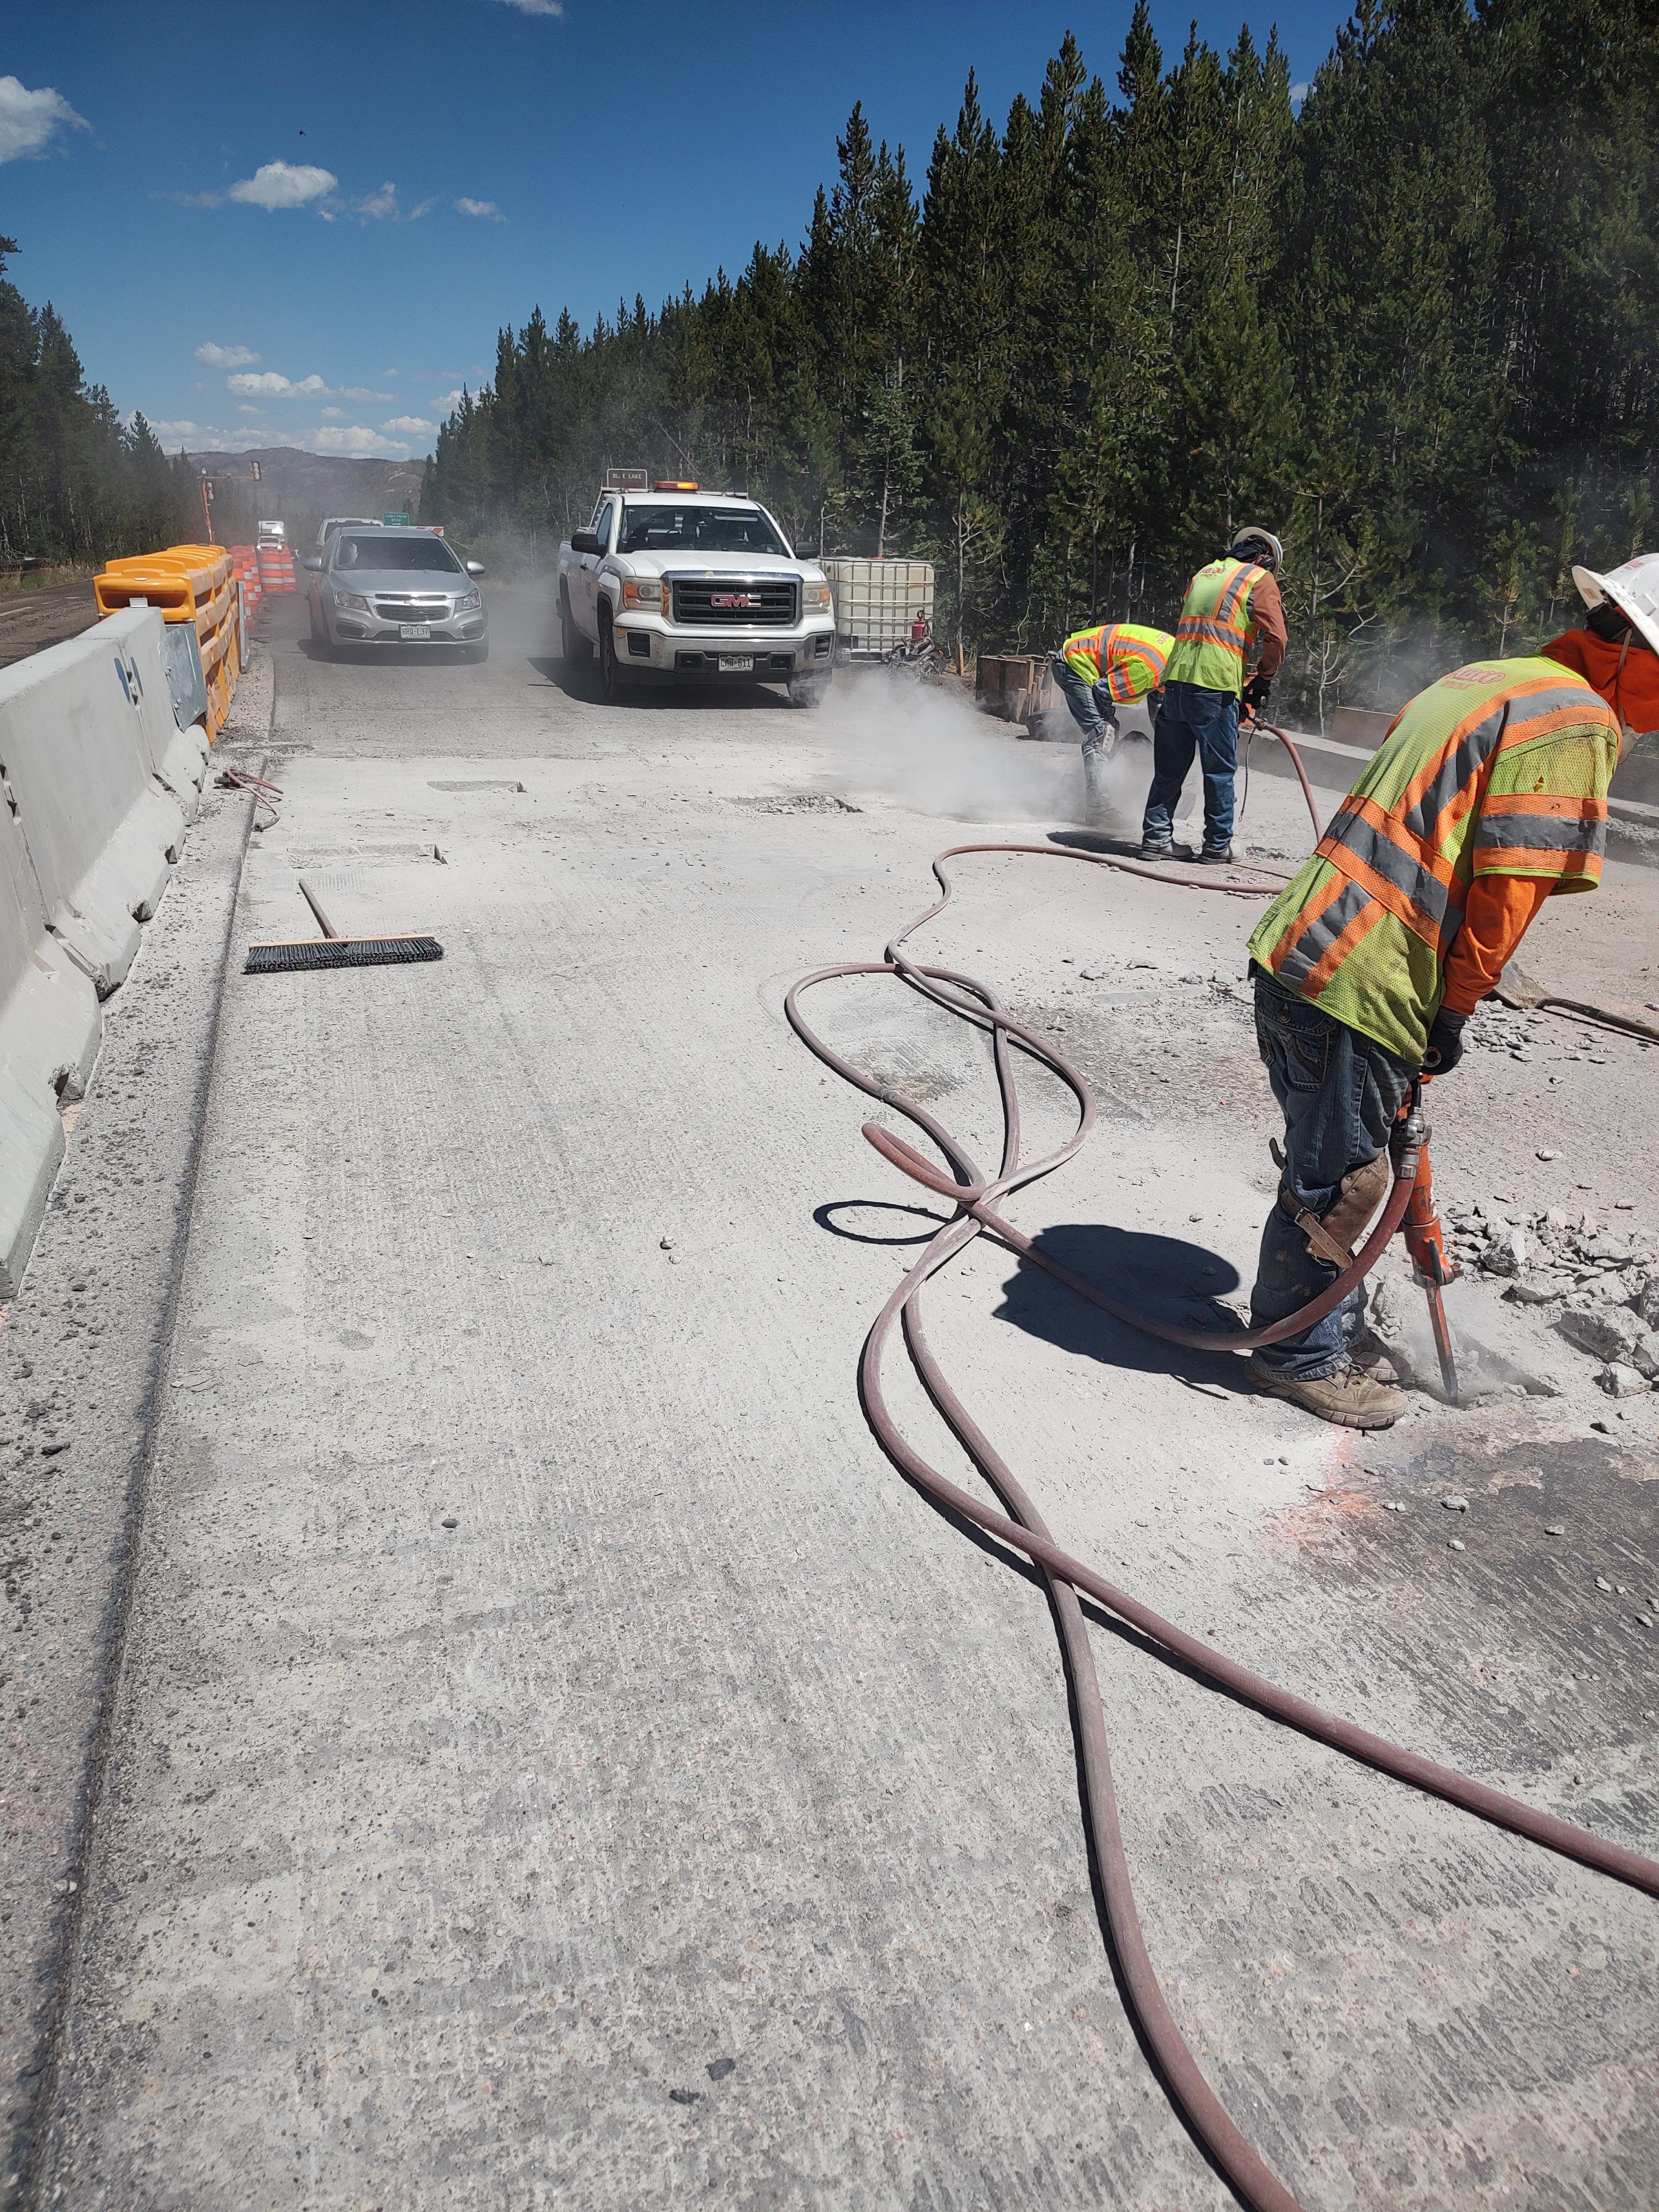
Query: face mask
(1625, 671)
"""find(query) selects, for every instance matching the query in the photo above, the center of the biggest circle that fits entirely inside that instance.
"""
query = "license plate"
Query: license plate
(414, 629)
(734, 663)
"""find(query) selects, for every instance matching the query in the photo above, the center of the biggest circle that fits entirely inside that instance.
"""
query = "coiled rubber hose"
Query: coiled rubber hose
(976, 1198)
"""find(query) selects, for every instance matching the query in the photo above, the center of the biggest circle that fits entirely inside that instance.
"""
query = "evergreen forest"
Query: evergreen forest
(77, 485)
(1409, 320)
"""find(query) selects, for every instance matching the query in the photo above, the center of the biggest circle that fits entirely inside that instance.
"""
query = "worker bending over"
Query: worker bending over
(1489, 793)
(1230, 606)
(1101, 670)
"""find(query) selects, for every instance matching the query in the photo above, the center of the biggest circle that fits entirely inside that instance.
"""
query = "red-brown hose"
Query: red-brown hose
(1021, 1527)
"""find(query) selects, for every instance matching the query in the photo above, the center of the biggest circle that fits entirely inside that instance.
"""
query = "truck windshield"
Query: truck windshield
(663, 528)
(385, 552)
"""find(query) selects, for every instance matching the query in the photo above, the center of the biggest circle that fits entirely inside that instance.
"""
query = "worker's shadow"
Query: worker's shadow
(1165, 1278)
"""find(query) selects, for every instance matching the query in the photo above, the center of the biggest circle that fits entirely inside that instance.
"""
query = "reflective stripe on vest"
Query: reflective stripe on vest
(1215, 627)
(1500, 769)
(1127, 657)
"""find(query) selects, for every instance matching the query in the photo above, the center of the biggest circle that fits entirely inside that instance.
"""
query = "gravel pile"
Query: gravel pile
(1599, 1285)
(1494, 1027)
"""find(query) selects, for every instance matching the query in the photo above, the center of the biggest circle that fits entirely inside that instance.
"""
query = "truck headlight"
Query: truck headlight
(353, 602)
(815, 598)
(641, 591)
(469, 603)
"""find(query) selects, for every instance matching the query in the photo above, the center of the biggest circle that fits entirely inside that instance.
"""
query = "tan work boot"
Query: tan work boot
(1350, 1399)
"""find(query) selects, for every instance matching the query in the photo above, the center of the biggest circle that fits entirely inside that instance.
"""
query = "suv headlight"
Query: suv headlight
(469, 603)
(641, 591)
(816, 598)
(353, 602)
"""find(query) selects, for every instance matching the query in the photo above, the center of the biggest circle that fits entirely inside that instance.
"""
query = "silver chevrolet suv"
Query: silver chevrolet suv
(390, 587)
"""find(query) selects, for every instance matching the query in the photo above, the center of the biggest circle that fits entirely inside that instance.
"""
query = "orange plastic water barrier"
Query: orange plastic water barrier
(194, 584)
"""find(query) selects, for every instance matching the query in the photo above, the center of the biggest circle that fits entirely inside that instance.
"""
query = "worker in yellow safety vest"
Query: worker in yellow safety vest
(1099, 671)
(1489, 793)
(1232, 608)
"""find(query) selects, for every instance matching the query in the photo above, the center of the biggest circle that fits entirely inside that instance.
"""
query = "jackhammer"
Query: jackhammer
(1433, 1266)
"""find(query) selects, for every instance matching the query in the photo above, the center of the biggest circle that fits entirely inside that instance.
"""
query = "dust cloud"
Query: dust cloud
(926, 746)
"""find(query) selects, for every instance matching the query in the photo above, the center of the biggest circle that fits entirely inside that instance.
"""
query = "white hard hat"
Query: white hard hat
(1633, 589)
(1252, 534)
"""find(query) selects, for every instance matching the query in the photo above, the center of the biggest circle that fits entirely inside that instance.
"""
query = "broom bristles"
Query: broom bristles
(271, 959)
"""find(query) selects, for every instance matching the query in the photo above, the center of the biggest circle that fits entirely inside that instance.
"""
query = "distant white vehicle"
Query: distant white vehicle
(272, 529)
(334, 523)
(677, 585)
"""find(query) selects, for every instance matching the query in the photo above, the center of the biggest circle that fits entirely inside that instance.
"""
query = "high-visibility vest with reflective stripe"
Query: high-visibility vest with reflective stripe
(1215, 627)
(1500, 769)
(1126, 657)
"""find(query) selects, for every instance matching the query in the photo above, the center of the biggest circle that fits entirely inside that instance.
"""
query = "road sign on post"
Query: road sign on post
(394, 522)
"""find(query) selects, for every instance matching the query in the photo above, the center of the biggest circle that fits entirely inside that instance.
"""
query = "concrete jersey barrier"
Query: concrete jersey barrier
(97, 780)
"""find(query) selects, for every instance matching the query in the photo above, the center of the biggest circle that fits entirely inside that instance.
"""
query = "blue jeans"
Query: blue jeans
(1193, 719)
(1339, 1093)
(1091, 706)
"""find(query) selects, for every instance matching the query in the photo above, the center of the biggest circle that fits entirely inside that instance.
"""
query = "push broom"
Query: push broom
(331, 949)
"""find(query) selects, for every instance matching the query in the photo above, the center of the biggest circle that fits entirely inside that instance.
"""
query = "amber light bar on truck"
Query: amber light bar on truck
(665, 483)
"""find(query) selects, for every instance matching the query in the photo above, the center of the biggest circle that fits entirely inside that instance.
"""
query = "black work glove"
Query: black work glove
(1257, 692)
(1445, 1045)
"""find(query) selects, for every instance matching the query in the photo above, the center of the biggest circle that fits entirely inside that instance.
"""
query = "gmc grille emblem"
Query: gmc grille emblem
(730, 599)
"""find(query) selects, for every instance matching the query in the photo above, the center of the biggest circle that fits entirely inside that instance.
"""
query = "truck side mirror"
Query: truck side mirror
(475, 567)
(312, 560)
(806, 552)
(583, 541)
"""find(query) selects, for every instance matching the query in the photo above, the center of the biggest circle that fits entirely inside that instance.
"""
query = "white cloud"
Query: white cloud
(392, 372)
(411, 425)
(218, 356)
(268, 385)
(445, 401)
(485, 207)
(357, 438)
(357, 391)
(537, 6)
(284, 184)
(333, 414)
(174, 429)
(1299, 93)
(246, 410)
(28, 120)
(380, 204)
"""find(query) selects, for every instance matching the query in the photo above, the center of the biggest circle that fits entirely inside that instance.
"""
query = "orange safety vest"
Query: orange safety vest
(1500, 769)
(1216, 626)
(1127, 657)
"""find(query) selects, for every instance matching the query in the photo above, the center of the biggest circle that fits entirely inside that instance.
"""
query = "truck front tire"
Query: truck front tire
(573, 645)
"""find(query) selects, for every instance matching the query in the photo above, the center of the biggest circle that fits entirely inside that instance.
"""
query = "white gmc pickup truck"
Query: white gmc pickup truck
(681, 585)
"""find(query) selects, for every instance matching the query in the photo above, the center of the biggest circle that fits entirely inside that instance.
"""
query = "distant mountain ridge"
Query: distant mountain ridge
(298, 489)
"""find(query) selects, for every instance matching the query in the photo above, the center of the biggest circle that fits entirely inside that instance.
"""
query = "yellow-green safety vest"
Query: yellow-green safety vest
(1215, 627)
(1127, 658)
(1500, 769)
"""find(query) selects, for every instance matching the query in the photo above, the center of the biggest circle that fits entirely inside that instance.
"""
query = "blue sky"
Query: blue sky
(304, 224)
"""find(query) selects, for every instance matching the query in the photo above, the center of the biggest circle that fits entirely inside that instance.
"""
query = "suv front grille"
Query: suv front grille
(764, 605)
(402, 607)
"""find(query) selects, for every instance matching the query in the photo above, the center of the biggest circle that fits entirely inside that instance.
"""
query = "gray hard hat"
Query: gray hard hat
(1253, 534)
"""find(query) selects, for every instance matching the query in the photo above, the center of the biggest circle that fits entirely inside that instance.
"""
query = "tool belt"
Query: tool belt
(1332, 1236)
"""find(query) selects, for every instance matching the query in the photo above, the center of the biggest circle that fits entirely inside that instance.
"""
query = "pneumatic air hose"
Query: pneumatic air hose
(978, 1200)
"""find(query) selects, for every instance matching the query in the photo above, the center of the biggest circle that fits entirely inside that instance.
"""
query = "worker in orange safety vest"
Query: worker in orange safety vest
(1488, 794)
(1233, 607)
(1098, 671)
